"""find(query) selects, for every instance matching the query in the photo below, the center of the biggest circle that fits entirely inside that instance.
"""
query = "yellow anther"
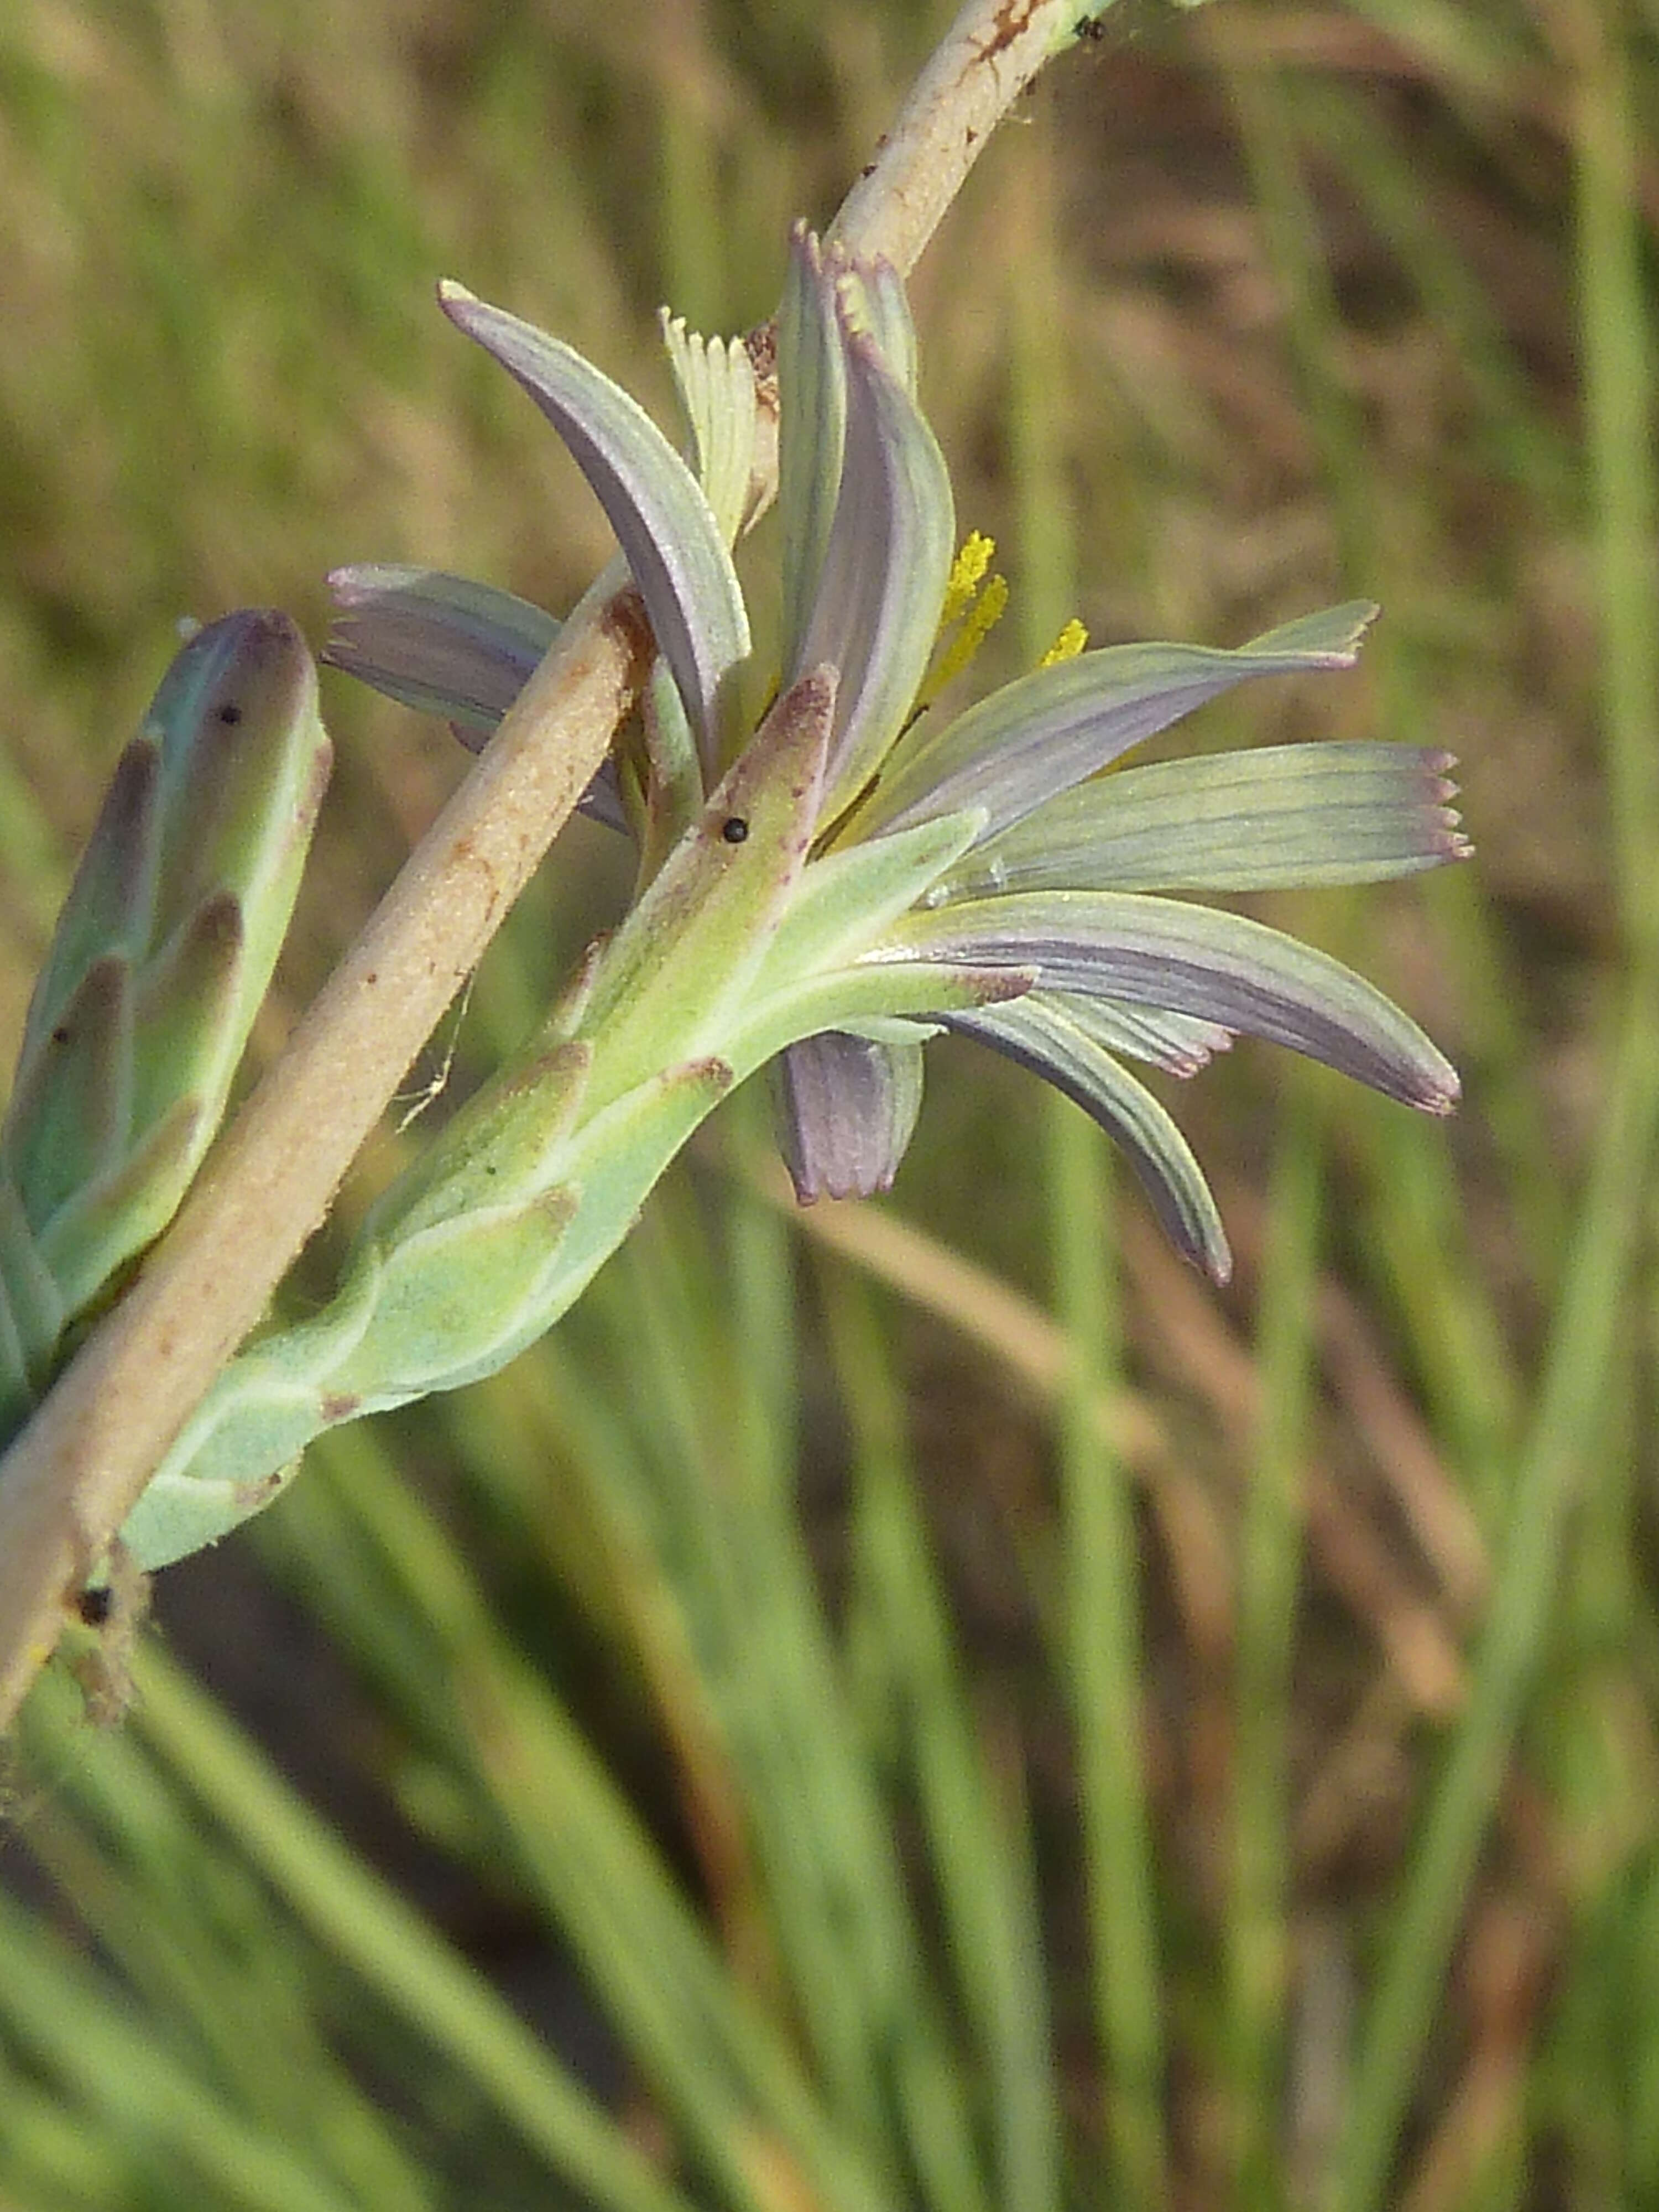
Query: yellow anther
(1067, 646)
(978, 621)
(967, 573)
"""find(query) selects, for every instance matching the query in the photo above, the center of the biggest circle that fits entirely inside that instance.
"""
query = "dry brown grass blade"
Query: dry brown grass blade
(1441, 1520)
(1201, 1352)
(1028, 1347)
(1209, 1361)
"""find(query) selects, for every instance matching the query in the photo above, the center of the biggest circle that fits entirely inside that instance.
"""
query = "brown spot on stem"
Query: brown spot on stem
(625, 619)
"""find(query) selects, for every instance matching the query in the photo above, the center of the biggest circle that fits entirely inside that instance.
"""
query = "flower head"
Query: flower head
(976, 872)
(827, 891)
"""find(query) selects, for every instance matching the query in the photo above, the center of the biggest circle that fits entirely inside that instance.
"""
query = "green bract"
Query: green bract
(827, 893)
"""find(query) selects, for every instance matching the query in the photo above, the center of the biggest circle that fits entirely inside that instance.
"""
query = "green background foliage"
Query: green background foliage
(926, 1703)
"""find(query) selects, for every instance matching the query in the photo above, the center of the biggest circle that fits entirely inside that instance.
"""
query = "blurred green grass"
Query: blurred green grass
(922, 1705)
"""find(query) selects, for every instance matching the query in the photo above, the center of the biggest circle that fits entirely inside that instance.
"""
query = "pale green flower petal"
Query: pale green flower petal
(876, 300)
(1052, 728)
(1179, 1044)
(716, 382)
(1281, 816)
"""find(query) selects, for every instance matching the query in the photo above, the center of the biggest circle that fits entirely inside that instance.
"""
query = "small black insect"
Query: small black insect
(735, 829)
(96, 1605)
(230, 714)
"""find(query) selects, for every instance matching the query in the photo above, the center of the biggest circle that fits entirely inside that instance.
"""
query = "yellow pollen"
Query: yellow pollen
(1067, 646)
(973, 602)
(967, 573)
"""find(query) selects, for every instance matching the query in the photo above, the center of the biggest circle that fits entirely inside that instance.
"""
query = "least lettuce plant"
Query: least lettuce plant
(829, 891)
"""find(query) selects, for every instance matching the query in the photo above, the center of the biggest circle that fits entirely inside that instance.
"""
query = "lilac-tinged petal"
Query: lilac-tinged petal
(444, 644)
(874, 294)
(876, 613)
(1278, 818)
(1192, 960)
(812, 427)
(435, 642)
(1039, 1033)
(845, 1108)
(1179, 1044)
(664, 523)
(1050, 729)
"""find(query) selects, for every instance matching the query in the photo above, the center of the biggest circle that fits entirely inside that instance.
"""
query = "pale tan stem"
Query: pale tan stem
(977, 72)
(70, 1480)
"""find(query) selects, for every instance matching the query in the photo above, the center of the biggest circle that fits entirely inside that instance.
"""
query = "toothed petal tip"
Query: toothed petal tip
(1441, 1093)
